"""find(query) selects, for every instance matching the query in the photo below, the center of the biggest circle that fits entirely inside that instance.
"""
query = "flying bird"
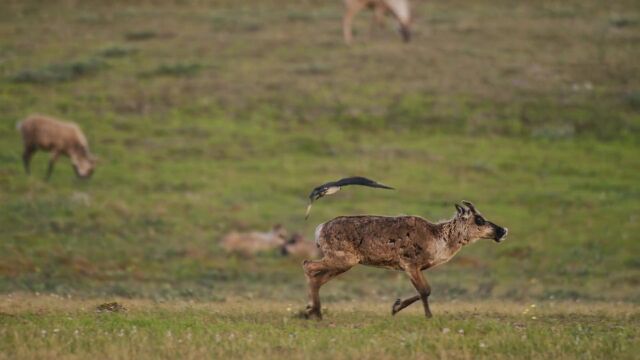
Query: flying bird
(335, 186)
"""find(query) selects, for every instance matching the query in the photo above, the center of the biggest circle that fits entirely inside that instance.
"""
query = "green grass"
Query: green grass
(174, 70)
(67, 328)
(58, 72)
(215, 117)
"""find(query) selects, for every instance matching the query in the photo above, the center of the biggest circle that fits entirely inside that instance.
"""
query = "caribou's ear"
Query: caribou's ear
(460, 209)
(469, 205)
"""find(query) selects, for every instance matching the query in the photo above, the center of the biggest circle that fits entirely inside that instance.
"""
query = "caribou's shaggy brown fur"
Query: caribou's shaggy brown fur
(58, 137)
(407, 243)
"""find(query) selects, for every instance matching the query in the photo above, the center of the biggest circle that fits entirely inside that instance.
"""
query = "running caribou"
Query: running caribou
(406, 243)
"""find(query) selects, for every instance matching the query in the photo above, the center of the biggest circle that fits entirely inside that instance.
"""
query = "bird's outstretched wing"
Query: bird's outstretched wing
(333, 186)
(359, 180)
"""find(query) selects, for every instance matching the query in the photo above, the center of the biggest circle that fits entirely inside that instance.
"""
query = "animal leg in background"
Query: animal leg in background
(352, 8)
(52, 161)
(377, 21)
(29, 150)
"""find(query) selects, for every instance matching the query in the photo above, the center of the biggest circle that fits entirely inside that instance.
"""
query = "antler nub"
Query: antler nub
(469, 205)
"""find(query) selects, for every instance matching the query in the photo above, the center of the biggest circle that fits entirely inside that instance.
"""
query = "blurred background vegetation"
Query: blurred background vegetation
(212, 116)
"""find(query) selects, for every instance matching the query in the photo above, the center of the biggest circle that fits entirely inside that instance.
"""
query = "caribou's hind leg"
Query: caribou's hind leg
(401, 304)
(318, 273)
(353, 7)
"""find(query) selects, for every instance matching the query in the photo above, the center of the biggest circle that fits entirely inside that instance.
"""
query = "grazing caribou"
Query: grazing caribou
(406, 243)
(398, 8)
(58, 137)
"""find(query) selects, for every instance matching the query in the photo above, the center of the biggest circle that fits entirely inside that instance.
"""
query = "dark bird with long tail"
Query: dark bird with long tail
(335, 186)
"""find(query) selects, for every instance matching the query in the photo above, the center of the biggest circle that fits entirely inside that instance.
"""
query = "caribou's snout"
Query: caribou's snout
(86, 176)
(500, 233)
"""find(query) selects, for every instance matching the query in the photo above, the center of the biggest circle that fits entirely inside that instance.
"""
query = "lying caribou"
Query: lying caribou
(407, 243)
(255, 242)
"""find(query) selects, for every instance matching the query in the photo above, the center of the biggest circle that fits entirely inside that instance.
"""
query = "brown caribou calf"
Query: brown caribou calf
(398, 8)
(407, 243)
(58, 137)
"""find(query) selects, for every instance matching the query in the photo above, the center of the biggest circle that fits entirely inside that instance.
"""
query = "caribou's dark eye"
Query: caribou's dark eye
(479, 220)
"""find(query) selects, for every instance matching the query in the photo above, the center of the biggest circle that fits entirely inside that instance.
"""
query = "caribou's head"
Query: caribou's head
(279, 233)
(83, 162)
(475, 226)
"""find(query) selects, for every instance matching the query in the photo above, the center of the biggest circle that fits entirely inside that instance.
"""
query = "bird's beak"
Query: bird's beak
(306, 216)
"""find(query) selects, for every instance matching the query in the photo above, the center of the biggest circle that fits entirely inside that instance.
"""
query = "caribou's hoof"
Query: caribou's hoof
(396, 307)
(311, 313)
(428, 315)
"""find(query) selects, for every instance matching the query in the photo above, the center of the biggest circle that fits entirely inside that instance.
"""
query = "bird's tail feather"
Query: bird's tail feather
(381, 186)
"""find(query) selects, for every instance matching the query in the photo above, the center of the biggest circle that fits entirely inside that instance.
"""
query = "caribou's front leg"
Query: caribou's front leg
(423, 288)
(26, 158)
(52, 161)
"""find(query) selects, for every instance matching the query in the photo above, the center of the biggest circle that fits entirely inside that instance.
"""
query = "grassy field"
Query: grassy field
(217, 116)
(55, 327)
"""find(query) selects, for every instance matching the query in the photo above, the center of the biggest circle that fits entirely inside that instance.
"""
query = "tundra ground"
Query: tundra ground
(53, 327)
